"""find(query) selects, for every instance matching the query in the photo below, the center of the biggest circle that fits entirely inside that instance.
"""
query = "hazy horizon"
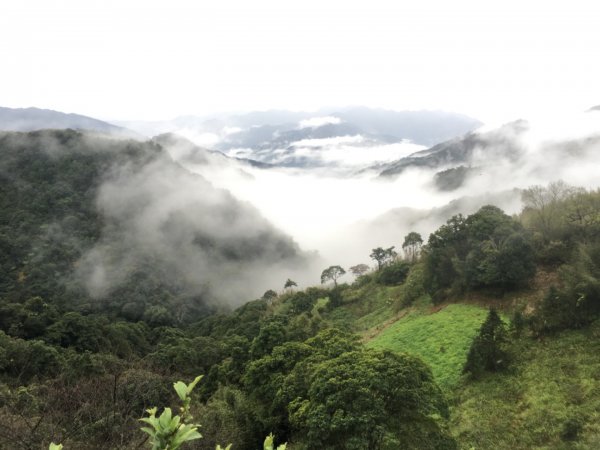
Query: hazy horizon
(155, 60)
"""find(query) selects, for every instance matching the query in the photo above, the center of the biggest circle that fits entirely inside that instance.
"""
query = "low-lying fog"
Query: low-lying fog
(340, 207)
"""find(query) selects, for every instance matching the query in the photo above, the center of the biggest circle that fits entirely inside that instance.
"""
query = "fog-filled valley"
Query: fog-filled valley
(306, 225)
(321, 200)
(342, 206)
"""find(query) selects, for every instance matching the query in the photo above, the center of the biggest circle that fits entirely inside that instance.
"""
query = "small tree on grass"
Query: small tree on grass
(332, 273)
(487, 352)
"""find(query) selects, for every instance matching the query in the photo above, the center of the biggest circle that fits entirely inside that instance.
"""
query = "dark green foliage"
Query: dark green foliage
(577, 302)
(488, 350)
(487, 250)
(269, 295)
(413, 287)
(335, 298)
(412, 245)
(272, 334)
(25, 360)
(187, 355)
(383, 256)
(369, 399)
(393, 274)
(229, 416)
(289, 284)
(301, 302)
(517, 323)
(571, 429)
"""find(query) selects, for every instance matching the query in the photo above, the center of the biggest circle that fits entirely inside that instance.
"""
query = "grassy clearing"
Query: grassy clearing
(553, 388)
(441, 339)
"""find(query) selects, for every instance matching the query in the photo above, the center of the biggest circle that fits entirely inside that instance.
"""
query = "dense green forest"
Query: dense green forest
(483, 335)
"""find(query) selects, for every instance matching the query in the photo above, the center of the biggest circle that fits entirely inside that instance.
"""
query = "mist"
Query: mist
(158, 218)
(342, 208)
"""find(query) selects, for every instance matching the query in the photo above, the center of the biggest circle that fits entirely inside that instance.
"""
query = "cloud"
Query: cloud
(343, 212)
(315, 122)
(194, 235)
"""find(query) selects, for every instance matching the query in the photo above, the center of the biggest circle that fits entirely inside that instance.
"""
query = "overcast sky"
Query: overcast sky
(495, 60)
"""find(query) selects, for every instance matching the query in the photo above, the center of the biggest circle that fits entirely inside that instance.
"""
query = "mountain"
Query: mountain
(502, 142)
(282, 137)
(186, 152)
(100, 223)
(31, 119)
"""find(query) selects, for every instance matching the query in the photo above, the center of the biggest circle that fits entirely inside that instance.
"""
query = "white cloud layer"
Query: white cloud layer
(315, 122)
(151, 59)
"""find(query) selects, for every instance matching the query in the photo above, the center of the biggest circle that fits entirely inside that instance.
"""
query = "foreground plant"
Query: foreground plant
(169, 432)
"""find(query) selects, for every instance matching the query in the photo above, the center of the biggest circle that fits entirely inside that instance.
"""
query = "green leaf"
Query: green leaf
(165, 418)
(54, 446)
(193, 384)
(150, 431)
(268, 444)
(182, 389)
(184, 434)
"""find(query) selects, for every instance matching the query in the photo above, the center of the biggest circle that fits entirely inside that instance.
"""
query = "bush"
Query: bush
(413, 287)
(393, 274)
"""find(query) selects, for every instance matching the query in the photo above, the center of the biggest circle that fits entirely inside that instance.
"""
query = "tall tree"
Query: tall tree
(383, 255)
(289, 284)
(332, 273)
(359, 269)
(412, 245)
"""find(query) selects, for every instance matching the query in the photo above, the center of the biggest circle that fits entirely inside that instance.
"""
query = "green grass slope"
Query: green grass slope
(549, 399)
(441, 339)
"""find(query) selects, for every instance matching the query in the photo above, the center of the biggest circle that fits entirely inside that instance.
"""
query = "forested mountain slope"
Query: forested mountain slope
(102, 224)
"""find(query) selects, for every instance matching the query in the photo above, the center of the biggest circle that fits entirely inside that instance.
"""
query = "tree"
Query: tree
(487, 352)
(545, 203)
(289, 284)
(412, 245)
(393, 274)
(359, 269)
(269, 295)
(383, 256)
(370, 399)
(332, 273)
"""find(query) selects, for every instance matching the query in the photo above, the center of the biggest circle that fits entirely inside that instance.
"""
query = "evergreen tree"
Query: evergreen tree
(487, 352)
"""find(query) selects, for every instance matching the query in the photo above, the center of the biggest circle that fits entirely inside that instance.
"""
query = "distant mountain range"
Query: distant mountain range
(32, 119)
(274, 137)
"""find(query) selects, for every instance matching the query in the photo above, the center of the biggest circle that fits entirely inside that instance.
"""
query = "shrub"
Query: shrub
(393, 274)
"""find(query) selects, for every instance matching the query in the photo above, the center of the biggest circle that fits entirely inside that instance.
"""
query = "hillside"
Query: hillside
(408, 354)
(103, 224)
(496, 144)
